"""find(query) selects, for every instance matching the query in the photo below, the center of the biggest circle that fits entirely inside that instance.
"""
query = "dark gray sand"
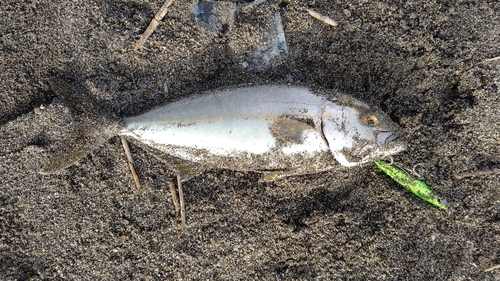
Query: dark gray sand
(423, 62)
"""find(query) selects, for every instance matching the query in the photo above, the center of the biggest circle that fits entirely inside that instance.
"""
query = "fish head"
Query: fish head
(358, 134)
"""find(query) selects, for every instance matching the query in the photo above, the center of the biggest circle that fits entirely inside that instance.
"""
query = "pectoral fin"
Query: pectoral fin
(286, 129)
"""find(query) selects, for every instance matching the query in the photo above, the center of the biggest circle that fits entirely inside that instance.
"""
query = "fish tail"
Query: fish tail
(76, 124)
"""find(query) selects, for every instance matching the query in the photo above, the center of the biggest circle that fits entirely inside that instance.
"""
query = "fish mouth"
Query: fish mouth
(382, 137)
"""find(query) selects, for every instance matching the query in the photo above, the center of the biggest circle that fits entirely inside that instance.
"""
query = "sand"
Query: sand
(422, 62)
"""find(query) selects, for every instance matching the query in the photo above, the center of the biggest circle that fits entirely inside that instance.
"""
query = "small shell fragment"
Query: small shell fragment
(40, 109)
(322, 18)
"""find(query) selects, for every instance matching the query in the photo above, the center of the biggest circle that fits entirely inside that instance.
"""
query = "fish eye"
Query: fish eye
(370, 120)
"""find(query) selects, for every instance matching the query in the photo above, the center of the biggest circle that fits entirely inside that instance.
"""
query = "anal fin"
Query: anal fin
(274, 175)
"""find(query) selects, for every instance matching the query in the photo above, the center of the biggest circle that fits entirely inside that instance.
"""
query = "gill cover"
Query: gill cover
(356, 134)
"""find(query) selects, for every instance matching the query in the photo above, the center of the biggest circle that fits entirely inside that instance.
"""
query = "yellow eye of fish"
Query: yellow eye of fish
(370, 120)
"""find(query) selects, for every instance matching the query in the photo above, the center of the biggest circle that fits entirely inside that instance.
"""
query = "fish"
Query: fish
(275, 130)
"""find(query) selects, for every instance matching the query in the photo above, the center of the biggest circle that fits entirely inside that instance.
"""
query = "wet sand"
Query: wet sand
(422, 62)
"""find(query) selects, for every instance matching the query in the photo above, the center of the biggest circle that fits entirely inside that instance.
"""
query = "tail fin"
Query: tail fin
(85, 126)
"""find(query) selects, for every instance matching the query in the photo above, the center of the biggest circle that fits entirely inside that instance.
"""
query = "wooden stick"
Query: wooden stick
(322, 18)
(153, 24)
(462, 175)
(174, 196)
(492, 59)
(492, 268)
(131, 163)
(181, 199)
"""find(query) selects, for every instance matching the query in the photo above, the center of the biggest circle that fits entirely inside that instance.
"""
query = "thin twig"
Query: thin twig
(491, 171)
(130, 161)
(492, 59)
(174, 196)
(181, 199)
(153, 24)
(322, 18)
(492, 268)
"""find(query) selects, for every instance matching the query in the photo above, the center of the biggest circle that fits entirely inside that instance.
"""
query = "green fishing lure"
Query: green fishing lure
(418, 187)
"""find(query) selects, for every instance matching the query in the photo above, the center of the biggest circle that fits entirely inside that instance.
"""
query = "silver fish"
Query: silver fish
(277, 130)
